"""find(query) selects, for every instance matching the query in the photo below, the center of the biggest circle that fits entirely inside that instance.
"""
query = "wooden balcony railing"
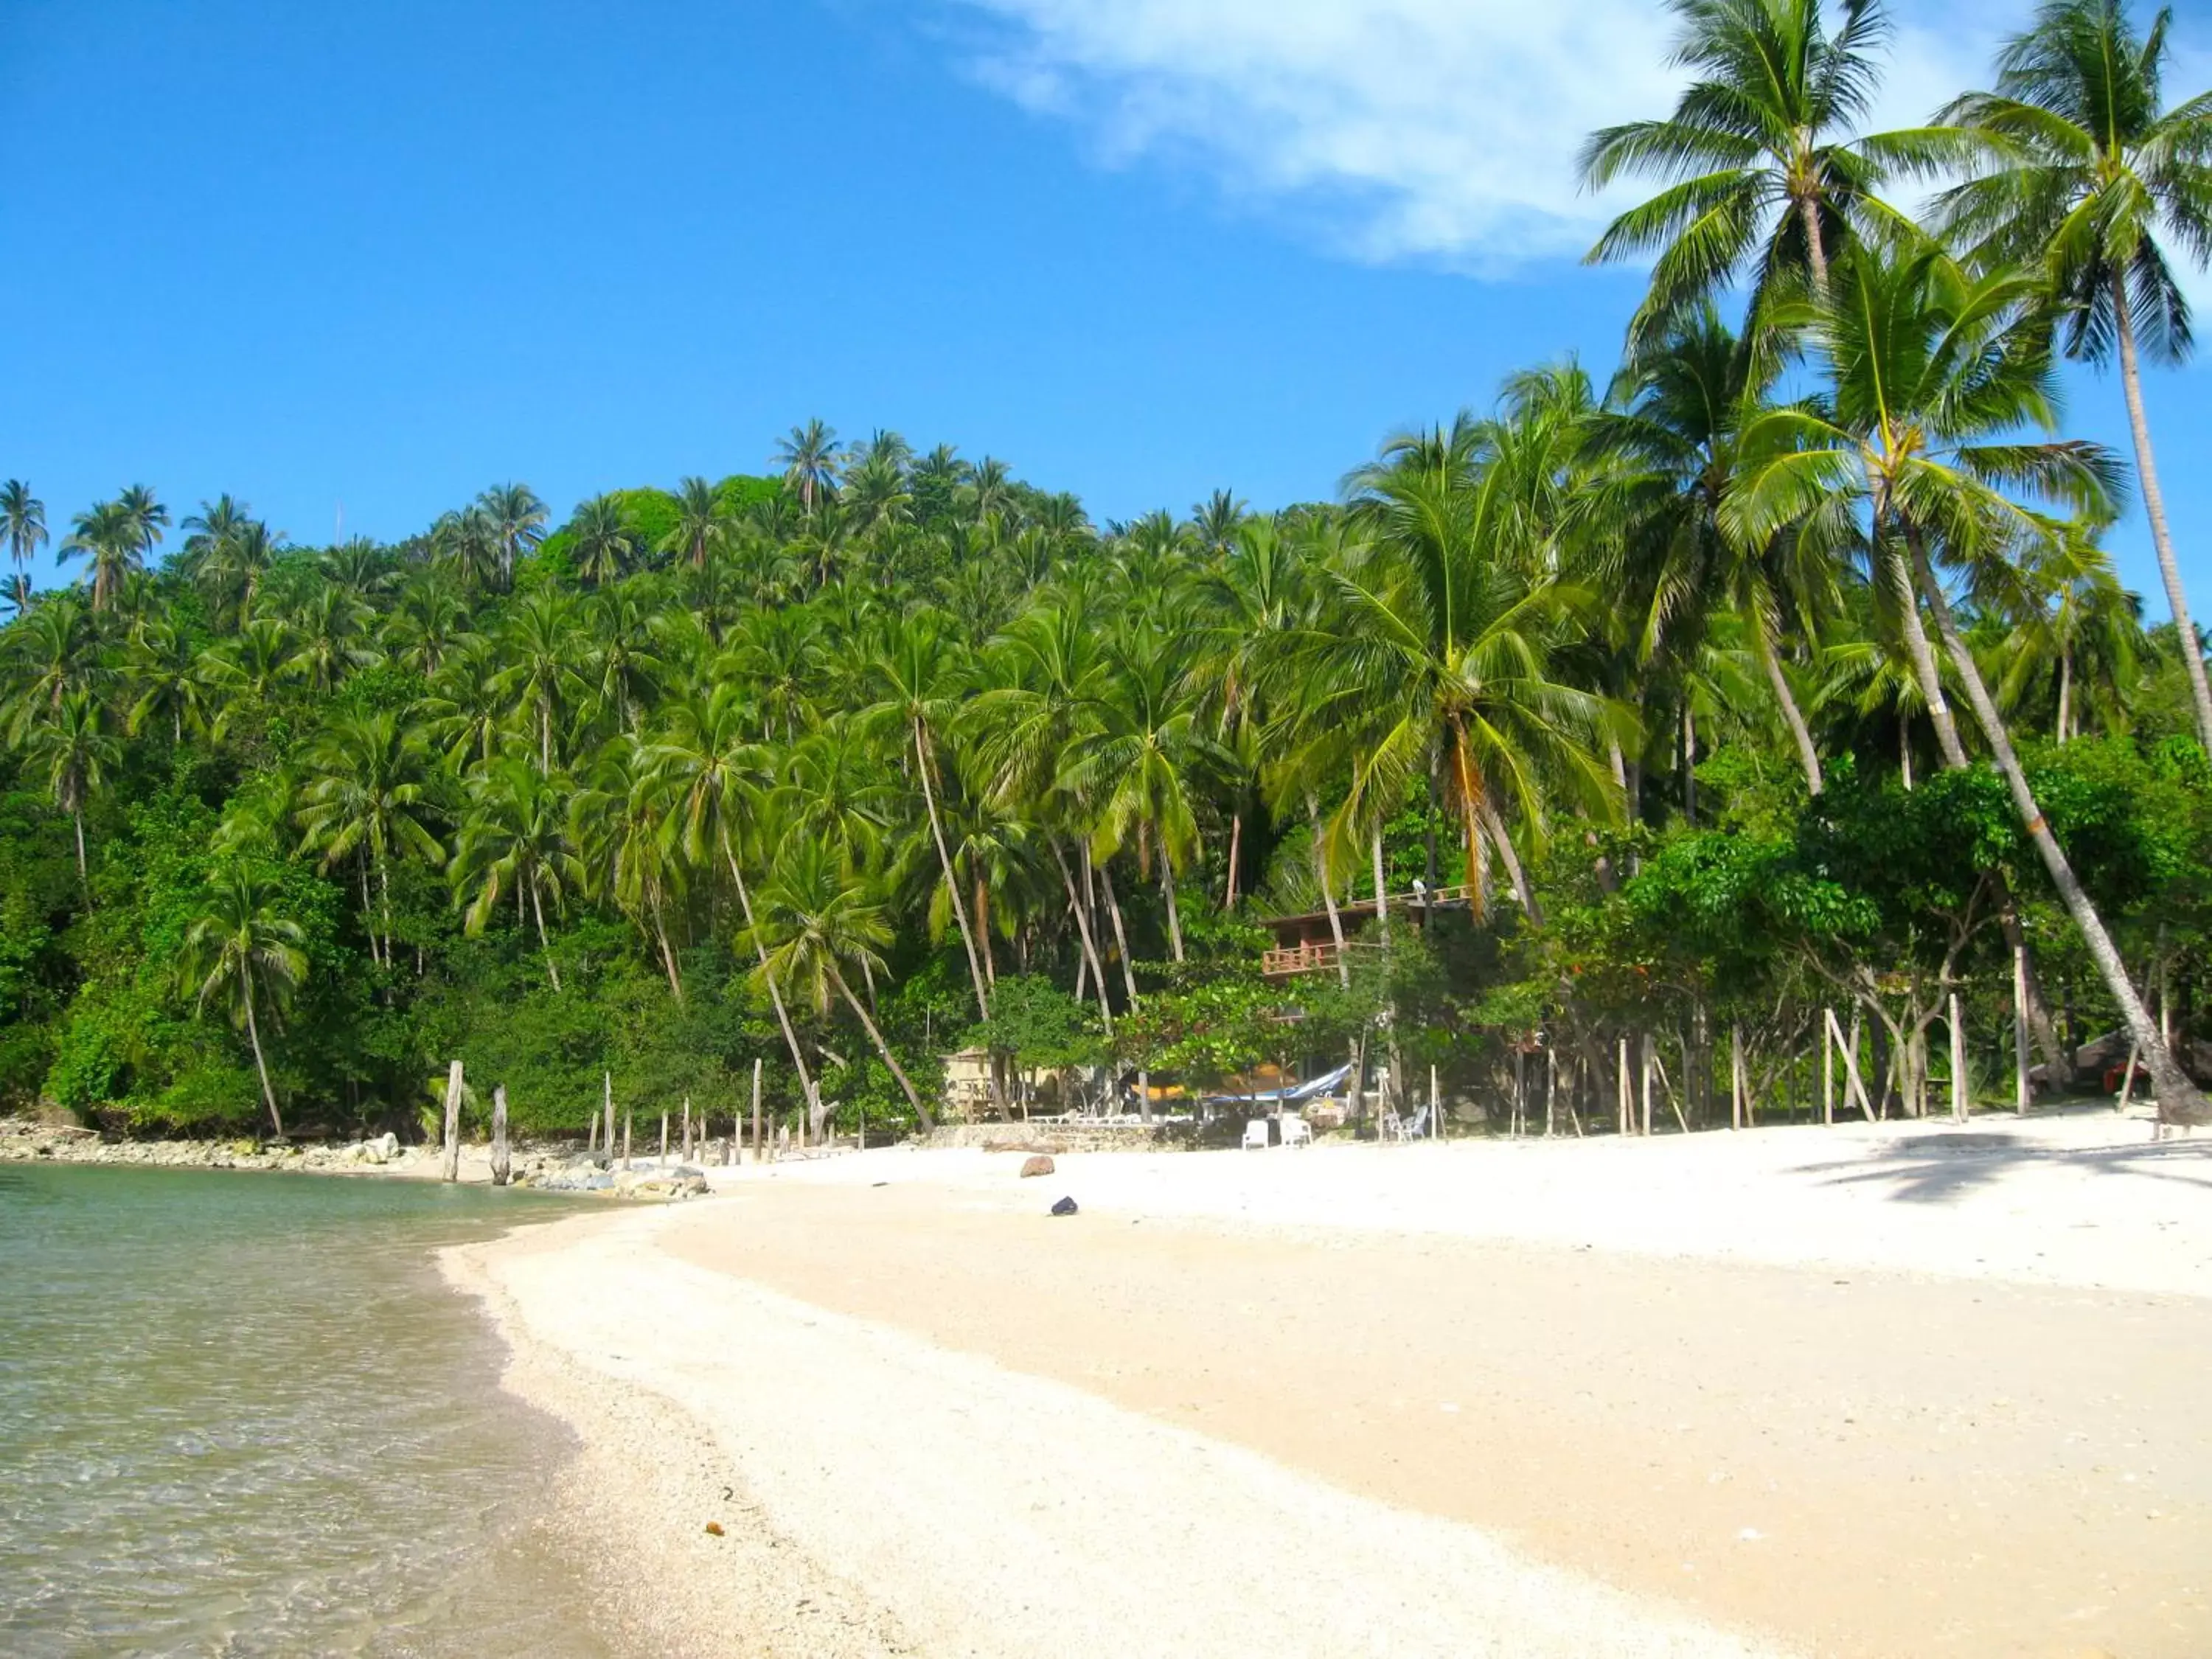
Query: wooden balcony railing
(1306, 958)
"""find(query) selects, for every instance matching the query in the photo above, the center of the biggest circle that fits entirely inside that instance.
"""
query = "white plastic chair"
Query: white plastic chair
(1296, 1131)
(1256, 1134)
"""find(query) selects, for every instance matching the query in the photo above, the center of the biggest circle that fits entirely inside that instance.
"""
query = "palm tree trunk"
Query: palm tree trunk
(952, 881)
(1174, 917)
(1121, 934)
(1328, 892)
(1236, 848)
(2065, 692)
(667, 956)
(1689, 763)
(2177, 1099)
(544, 944)
(921, 1112)
(1381, 894)
(1083, 930)
(1904, 750)
(260, 1065)
(1808, 212)
(2192, 655)
(383, 885)
(1522, 890)
(1808, 757)
(83, 875)
(775, 996)
(1924, 656)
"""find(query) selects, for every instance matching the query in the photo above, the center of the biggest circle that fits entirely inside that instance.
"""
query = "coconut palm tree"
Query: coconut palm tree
(1763, 178)
(111, 537)
(247, 671)
(368, 792)
(2077, 641)
(919, 681)
(2080, 172)
(542, 676)
(163, 665)
(702, 526)
(514, 837)
(1934, 371)
(70, 743)
(817, 917)
(241, 948)
(1671, 427)
(52, 651)
(516, 519)
(809, 456)
(601, 540)
(23, 527)
(616, 821)
(715, 775)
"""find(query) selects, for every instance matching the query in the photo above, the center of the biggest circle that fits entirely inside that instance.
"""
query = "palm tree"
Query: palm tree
(52, 651)
(816, 916)
(70, 744)
(702, 526)
(715, 774)
(809, 456)
(23, 527)
(248, 669)
(542, 675)
(2077, 637)
(165, 667)
(1436, 651)
(616, 822)
(2080, 172)
(515, 836)
(1933, 371)
(112, 538)
(240, 949)
(918, 682)
(601, 540)
(369, 791)
(1677, 411)
(516, 519)
(1762, 178)
(147, 517)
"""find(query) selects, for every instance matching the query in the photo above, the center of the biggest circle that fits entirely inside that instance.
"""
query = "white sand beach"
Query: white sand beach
(1869, 1391)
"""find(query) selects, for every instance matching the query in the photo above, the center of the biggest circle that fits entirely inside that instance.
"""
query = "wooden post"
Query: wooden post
(1854, 1085)
(663, 1137)
(758, 1143)
(1958, 1063)
(1827, 1067)
(1623, 1075)
(1437, 1107)
(629, 1119)
(591, 1135)
(502, 1165)
(1550, 1091)
(453, 1121)
(2128, 1079)
(1735, 1077)
(1644, 1051)
(607, 1087)
(2021, 1090)
(687, 1129)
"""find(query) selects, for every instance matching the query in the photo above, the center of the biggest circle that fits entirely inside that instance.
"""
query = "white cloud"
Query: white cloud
(1436, 129)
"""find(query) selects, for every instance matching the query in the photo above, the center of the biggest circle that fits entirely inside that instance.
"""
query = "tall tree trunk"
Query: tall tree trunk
(2065, 692)
(1328, 894)
(1522, 890)
(260, 1065)
(1808, 214)
(921, 1112)
(1083, 933)
(1236, 850)
(2177, 1099)
(667, 956)
(1382, 893)
(544, 943)
(768, 975)
(83, 871)
(1175, 916)
(952, 881)
(1808, 757)
(1689, 763)
(1121, 933)
(1904, 750)
(384, 885)
(2192, 655)
(1922, 656)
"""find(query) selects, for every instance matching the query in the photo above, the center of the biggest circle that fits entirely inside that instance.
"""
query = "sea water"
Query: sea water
(243, 1414)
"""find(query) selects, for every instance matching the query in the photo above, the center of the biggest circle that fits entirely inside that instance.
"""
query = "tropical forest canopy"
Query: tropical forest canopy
(1782, 667)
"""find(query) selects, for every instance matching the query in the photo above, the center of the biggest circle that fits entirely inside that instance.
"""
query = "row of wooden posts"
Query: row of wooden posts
(763, 1145)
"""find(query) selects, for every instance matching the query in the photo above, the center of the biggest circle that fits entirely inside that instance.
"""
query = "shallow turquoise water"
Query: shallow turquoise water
(241, 1414)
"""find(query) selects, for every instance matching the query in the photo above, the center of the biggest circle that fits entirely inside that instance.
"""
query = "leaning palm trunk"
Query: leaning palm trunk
(1809, 755)
(2177, 1099)
(2192, 655)
(767, 973)
(1083, 930)
(951, 880)
(1494, 827)
(1922, 657)
(546, 943)
(921, 1112)
(260, 1065)
(1328, 898)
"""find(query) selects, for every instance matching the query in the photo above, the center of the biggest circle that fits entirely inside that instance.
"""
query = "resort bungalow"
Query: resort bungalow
(1306, 944)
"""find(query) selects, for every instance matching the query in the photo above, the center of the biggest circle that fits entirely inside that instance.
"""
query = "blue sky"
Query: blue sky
(382, 255)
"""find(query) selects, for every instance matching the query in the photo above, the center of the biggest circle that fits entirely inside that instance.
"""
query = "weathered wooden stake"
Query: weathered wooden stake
(1854, 1086)
(2020, 1089)
(2128, 1079)
(1623, 1074)
(1550, 1092)
(453, 1121)
(630, 1118)
(1735, 1077)
(1958, 1063)
(591, 1135)
(1437, 1107)
(502, 1165)
(1827, 1067)
(1646, 1050)
(663, 1137)
(687, 1129)
(758, 1143)
(607, 1087)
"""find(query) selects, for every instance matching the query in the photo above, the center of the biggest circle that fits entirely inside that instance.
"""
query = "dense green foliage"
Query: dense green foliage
(843, 768)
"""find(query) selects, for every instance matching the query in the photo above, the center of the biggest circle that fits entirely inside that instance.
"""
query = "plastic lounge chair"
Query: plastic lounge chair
(1296, 1131)
(1418, 1128)
(1256, 1134)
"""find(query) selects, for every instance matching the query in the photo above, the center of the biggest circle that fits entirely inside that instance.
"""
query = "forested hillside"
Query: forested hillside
(1782, 668)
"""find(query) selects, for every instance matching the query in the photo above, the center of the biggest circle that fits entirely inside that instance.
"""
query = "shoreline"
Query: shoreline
(1288, 1401)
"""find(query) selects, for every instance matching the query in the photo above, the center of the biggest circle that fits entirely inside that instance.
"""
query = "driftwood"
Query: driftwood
(501, 1164)
(453, 1121)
